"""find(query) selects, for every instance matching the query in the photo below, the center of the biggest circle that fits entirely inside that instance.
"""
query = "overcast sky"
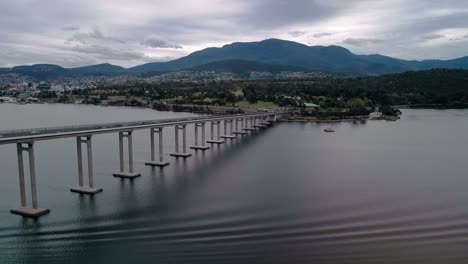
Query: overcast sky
(127, 33)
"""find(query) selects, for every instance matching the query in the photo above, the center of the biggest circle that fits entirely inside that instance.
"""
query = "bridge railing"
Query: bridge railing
(75, 128)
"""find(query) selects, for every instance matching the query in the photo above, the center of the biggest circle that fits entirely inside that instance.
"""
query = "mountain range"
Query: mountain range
(271, 55)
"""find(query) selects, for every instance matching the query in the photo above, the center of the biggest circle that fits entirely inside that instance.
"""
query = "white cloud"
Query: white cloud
(116, 30)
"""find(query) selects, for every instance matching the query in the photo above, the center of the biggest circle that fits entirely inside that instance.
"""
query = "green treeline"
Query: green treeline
(433, 88)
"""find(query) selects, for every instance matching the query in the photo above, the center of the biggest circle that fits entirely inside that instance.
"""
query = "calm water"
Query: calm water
(375, 192)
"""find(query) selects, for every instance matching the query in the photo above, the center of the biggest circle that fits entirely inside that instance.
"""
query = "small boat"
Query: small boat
(329, 130)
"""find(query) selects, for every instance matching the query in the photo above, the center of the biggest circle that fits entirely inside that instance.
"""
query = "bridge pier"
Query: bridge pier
(271, 120)
(238, 130)
(183, 154)
(226, 135)
(257, 123)
(264, 122)
(153, 162)
(249, 123)
(25, 210)
(218, 140)
(202, 146)
(122, 173)
(90, 189)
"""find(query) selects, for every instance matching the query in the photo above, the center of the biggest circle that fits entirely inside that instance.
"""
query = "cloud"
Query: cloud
(296, 34)
(108, 53)
(71, 28)
(94, 34)
(98, 30)
(359, 42)
(319, 35)
(433, 36)
(158, 43)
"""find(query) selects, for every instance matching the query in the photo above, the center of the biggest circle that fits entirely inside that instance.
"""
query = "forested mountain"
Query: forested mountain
(271, 55)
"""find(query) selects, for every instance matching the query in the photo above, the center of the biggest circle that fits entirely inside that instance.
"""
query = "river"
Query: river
(372, 192)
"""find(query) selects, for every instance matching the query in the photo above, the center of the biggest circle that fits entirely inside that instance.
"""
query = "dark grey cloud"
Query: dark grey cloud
(71, 28)
(94, 34)
(268, 14)
(361, 41)
(154, 42)
(323, 34)
(296, 34)
(108, 53)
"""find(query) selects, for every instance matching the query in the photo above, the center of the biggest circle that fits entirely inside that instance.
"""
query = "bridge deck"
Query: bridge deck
(36, 134)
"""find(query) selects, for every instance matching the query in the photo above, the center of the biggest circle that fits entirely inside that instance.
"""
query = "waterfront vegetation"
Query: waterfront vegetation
(321, 98)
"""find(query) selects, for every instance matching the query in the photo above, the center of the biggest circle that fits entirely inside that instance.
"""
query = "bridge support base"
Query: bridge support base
(229, 136)
(214, 141)
(200, 147)
(157, 163)
(239, 133)
(127, 175)
(30, 212)
(181, 155)
(250, 129)
(86, 190)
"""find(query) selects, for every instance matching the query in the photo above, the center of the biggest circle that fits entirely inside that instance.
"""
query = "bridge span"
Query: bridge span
(25, 139)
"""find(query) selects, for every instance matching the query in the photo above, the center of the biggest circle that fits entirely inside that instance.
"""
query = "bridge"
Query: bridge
(25, 139)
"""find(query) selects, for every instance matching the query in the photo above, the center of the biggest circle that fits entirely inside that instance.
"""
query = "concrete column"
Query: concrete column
(19, 148)
(196, 134)
(90, 162)
(225, 128)
(212, 130)
(161, 144)
(82, 188)
(184, 139)
(32, 171)
(80, 161)
(202, 146)
(203, 134)
(184, 153)
(121, 151)
(239, 127)
(130, 173)
(227, 134)
(176, 134)
(153, 156)
(24, 210)
(249, 124)
(130, 151)
(216, 140)
(153, 162)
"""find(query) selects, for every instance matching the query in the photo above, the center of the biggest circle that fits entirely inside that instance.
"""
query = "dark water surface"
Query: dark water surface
(375, 192)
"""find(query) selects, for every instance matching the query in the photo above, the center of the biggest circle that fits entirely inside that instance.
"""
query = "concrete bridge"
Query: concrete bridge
(25, 139)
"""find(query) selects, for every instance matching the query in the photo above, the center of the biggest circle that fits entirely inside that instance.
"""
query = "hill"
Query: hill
(267, 55)
(243, 67)
(314, 58)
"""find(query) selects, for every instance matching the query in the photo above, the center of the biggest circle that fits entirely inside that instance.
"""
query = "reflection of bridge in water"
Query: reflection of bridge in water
(234, 126)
